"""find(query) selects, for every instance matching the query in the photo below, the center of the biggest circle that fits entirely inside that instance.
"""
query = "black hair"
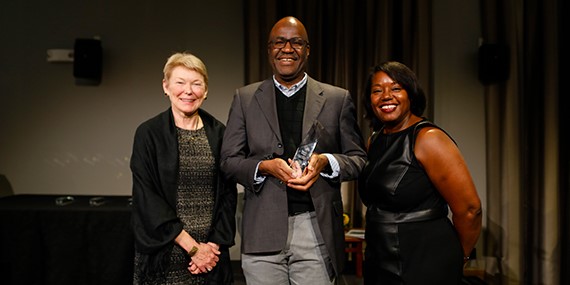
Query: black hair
(404, 76)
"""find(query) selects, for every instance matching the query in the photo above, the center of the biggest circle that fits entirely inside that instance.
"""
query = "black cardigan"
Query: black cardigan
(154, 165)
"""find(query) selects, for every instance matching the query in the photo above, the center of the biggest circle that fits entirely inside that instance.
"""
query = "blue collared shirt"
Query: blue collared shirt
(291, 91)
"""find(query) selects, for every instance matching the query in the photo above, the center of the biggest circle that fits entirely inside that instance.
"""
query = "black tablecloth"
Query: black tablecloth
(43, 243)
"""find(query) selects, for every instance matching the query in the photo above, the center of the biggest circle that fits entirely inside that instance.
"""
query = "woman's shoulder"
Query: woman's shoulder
(422, 124)
(156, 122)
(210, 119)
(431, 139)
(426, 129)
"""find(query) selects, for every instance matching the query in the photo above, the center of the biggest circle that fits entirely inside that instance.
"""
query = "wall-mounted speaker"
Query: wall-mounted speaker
(493, 63)
(87, 61)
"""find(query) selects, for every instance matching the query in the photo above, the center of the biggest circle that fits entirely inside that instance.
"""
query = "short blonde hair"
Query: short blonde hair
(187, 60)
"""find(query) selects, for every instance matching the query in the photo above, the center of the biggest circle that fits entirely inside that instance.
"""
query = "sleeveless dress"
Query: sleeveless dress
(409, 238)
(195, 202)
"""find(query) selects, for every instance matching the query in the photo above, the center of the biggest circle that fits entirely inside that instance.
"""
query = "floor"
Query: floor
(348, 278)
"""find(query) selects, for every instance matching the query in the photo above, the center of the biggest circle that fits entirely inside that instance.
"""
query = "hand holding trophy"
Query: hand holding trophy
(304, 151)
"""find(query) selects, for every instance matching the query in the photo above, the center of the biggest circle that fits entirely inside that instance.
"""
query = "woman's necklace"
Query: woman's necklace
(197, 123)
(193, 135)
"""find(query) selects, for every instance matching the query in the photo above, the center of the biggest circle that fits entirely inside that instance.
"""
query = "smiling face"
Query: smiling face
(289, 61)
(390, 102)
(186, 90)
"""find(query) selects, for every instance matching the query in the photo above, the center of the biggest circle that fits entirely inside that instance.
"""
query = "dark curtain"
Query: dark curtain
(564, 141)
(347, 38)
(527, 165)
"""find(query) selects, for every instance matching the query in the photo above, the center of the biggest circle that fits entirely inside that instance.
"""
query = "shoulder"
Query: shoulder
(432, 140)
(428, 131)
(155, 123)
(156, 131)
(253, 87)
(210, 120)
(325, 88)
(431, 134)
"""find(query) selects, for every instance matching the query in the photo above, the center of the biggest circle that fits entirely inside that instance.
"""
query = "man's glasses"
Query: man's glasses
(296, 43)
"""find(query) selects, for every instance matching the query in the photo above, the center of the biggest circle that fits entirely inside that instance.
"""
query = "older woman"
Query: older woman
(183, 211)
(414, 174)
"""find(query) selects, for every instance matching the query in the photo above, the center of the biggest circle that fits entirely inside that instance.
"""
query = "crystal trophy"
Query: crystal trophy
(305, 150)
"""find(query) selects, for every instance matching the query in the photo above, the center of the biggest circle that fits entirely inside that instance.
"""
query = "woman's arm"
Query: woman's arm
(447, 170)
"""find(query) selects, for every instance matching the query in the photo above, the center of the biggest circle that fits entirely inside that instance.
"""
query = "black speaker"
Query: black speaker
(493, 63)
(87, 61)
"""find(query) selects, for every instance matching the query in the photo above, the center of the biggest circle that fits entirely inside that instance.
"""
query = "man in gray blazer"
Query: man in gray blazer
(292, 231)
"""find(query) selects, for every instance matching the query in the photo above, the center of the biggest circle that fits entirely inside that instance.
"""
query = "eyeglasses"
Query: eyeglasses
(296, 43)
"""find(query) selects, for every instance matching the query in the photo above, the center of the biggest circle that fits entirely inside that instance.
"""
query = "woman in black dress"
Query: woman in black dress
(415, 172)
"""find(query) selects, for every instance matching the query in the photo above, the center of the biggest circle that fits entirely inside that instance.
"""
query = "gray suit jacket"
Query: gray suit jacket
(252, 134)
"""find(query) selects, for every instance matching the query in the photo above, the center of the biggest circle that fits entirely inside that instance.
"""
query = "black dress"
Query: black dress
(409, 238)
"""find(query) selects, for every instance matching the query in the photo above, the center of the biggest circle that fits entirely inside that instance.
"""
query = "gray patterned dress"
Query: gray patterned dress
(195, 200)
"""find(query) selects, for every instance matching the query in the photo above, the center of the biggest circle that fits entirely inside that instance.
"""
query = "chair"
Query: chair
(5, 187)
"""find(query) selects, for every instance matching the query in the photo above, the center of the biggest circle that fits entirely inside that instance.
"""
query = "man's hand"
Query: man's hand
(277, 168)
(317, 163)
(297, 170)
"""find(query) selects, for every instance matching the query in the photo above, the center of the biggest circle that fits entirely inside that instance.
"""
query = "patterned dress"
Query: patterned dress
(195, 201)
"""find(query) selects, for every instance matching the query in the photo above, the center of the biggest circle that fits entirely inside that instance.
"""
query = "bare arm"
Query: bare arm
(447, 170)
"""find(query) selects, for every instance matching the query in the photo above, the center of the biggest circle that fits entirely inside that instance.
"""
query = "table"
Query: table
(77, 243)
(354, 245)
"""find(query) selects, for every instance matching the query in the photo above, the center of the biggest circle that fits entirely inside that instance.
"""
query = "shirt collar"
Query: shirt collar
(291, 91)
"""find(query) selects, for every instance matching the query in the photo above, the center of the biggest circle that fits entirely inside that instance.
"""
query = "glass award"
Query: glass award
(305, 149)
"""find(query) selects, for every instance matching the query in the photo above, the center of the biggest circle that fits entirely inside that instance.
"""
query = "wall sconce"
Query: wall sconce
(59, 55)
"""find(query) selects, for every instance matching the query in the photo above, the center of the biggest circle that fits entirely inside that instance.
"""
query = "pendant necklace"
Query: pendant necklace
(194, 134)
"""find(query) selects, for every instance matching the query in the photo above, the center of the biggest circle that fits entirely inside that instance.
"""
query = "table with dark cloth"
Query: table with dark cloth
(78, 243)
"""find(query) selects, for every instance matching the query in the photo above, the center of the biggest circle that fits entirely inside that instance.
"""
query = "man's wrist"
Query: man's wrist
(332, 169)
